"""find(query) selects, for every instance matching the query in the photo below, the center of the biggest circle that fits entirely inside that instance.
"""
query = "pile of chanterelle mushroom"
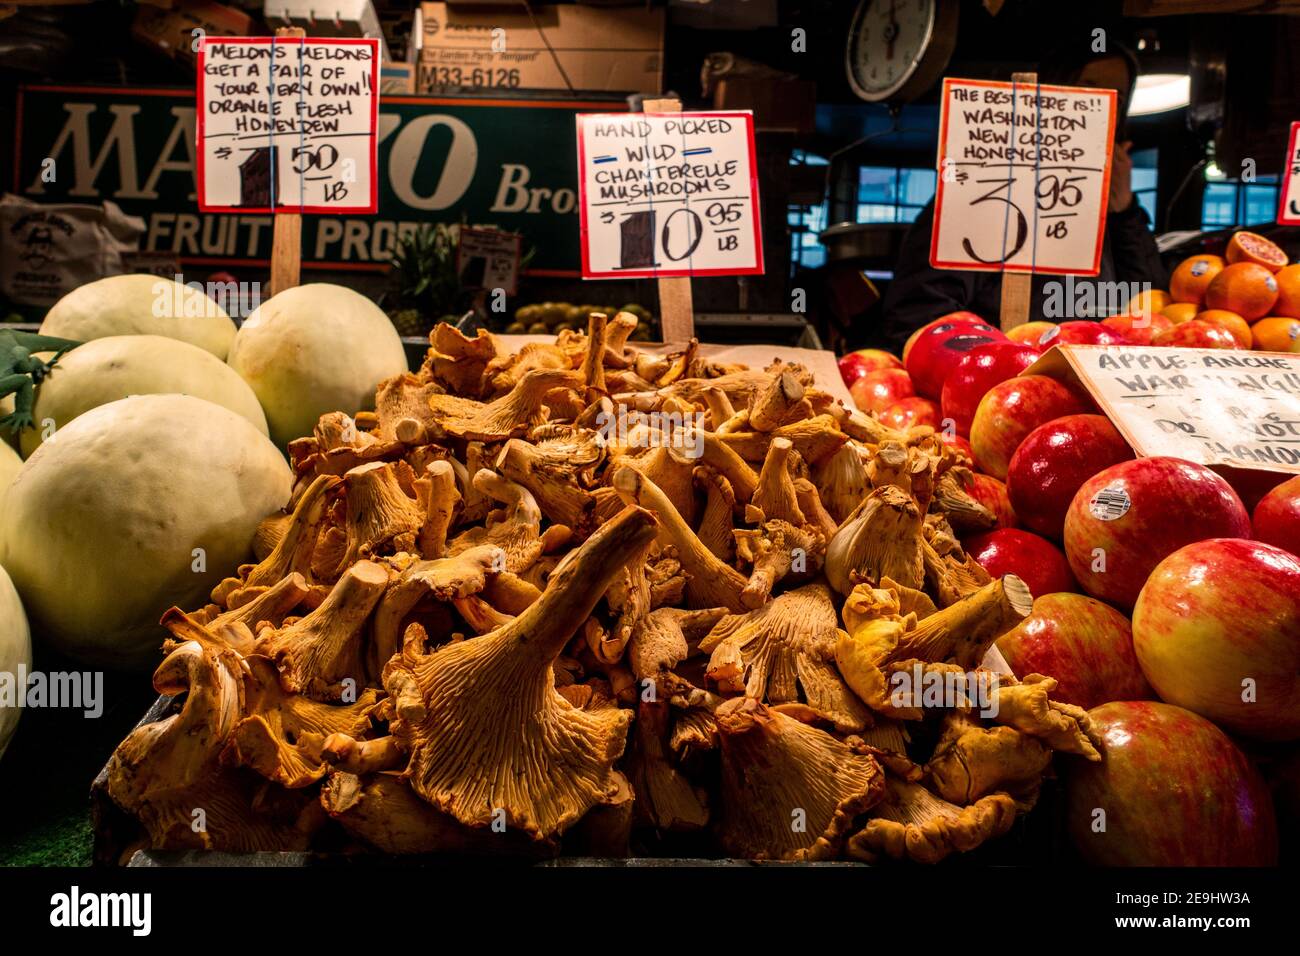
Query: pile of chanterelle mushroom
(573, 599)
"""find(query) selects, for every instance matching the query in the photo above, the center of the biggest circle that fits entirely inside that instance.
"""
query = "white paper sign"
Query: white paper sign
(1288, 209)
(288, 124)
(1024, 172)
(488, 259)
(668, 194)
(1212, 406)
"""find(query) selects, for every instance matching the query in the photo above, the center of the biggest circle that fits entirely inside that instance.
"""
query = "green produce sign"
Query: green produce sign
(509, 163)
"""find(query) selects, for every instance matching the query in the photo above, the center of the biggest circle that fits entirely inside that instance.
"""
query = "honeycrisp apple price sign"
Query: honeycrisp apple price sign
(1024, 171)
(668, 194)
(1212, 406)
(1288, 210)
(288, 125)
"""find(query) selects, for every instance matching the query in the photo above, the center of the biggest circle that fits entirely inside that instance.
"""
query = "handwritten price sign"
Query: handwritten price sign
(288, 125)
(1211, 406)
(668, 194)
(1024, 172)
(1288, 210)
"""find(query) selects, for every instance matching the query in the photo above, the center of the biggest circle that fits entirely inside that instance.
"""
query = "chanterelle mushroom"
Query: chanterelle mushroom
(511, 415)
(489, 736)
(169, 774)
(789, 790)
(911, 823)
(784, 652)
(282, 735)
(316, 653)
(961, 634)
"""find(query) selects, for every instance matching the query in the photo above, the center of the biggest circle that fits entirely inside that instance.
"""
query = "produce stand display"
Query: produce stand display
(541, 514)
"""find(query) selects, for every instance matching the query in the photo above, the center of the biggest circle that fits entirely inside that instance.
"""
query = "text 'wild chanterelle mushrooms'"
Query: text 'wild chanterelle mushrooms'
(593, 600)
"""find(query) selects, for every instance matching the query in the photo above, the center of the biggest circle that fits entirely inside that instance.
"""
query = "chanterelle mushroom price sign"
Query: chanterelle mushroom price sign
(1212, 406)
(1024, 171)
(668, 194)
(288, 125)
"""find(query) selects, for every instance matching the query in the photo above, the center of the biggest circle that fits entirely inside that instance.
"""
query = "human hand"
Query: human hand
(1121, 179)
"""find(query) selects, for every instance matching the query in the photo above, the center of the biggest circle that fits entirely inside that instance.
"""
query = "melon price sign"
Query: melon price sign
(1024, 172)
(1288, 210)
(288, 125)
(668, 194)
(1212, 406)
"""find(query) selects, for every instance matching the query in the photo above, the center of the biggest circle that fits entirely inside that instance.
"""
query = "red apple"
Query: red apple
(1277, 516)
(1085, 644)
(1035, 560)
(854, 365)
(938, 349)
(1217, 630)
(1010, 410)
(1137, 329)
(1053, 461)
(1079, 333)
(951, 317)
(906, 412)
(975, 373)
(1170, 790)
(1126, 519)
(1250, 484)
(992, 494)
(1197, 334)
(957, 442)
(876, 391)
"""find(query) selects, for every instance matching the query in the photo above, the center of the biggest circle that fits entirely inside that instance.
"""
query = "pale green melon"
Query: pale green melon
(141, 305)
(15, 655)
(104, 370)
(315, 349)
(137, 505)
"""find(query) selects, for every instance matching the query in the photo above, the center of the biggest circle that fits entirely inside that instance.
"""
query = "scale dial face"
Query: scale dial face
(888, 39)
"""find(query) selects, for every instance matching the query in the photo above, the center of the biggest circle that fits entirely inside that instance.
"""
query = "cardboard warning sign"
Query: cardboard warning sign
(488, 259)
(1211, 406)
(288, 125)
(668, 194)
(1024, 172)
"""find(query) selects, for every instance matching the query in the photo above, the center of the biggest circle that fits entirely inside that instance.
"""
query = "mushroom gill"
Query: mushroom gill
(789, 791)
(488, 734)
(784, 652)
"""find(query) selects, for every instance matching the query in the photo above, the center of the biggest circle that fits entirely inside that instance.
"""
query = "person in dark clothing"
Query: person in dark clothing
(920, 293)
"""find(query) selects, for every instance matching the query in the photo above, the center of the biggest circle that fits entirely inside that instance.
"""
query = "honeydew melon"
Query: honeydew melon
(105, 370)
(141, 305)
(10, 462)
(315, 349)
(15, 654)
(137, 505)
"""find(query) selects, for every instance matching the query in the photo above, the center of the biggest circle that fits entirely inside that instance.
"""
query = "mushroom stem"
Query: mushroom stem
(711, 583)
(576, 584)
(593, 361)
(362, 756)
(438, 494)
(776, 495)
(963, 631)
(773, 401)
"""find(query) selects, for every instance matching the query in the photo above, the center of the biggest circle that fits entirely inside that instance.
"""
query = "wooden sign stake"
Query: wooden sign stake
(676, 308)
(1016, 286)
(286, 235)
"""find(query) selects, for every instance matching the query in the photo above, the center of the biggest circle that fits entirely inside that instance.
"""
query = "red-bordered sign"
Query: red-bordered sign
(288, 125)
(1288, 199)
(1023, 177)
(668, 194)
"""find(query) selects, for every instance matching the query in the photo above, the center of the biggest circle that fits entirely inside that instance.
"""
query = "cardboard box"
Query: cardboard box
(172, 31)
(396, 78)
(328, 18)
(503, 48)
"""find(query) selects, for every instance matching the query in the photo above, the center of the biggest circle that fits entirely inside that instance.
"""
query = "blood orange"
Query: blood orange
(1288, 292)
(1246, 288)
(1193, 276)
(1252, 247)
